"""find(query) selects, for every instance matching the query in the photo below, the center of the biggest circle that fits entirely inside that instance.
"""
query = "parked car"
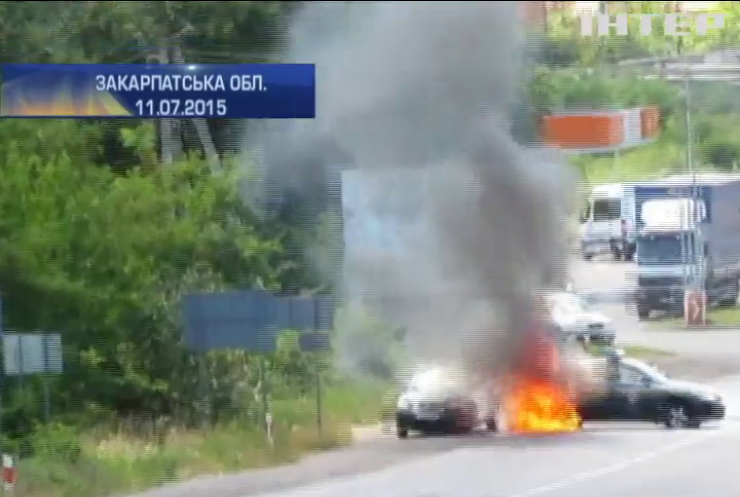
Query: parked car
(637, 391)
(574, 318)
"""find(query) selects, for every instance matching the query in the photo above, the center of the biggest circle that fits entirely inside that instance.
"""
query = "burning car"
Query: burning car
(535, 390)
(438, 400)
(540, 392)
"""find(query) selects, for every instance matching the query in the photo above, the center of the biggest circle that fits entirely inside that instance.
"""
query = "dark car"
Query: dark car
(640, 392)
(436, 401)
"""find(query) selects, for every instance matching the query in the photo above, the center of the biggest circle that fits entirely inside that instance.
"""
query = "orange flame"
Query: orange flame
(540, 406)
(537, 399)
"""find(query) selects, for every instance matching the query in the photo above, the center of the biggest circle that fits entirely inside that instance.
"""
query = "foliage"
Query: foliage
(99, 241)
(134, 456)
(103, 257)
(580, 73)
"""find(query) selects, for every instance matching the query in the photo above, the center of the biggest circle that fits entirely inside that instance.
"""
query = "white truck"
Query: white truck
(608, 224)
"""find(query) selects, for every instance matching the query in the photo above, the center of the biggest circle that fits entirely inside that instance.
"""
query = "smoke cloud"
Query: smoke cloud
(417, 94)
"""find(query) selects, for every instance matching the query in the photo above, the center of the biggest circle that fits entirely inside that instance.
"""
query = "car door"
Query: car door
(627, 394)
(595, 408)
(650, 400)
(612, 404)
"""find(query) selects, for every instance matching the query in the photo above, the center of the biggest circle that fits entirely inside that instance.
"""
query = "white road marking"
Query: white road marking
(615, 468)
(593, 277)
(725, 385)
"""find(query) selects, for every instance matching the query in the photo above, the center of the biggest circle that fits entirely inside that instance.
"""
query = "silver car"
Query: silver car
(574, 318)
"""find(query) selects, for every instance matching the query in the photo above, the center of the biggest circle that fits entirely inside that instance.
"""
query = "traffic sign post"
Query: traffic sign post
(38, 353)
(695, 308)
(10, 474)
(268, 424)
(251, 321)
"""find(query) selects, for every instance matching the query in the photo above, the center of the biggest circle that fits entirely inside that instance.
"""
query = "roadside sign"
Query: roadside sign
(32, 353)
(695, 308)
(314, 341)
(250, 320)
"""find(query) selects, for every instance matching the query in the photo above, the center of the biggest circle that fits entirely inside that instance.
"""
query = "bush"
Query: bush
(124, 458)
(56, 442)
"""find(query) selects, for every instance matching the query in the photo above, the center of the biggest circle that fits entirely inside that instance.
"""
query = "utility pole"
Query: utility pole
(545, 16)
(201, 126)
(170, 130)
(688, 240)
(696, 251)
(170, 137)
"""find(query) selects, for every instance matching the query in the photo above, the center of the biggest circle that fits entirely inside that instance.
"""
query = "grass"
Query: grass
(107, 462)
(636, 351)
(636, 164)
(728, 316)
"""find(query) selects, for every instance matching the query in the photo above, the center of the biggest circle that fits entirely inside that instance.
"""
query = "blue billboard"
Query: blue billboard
(252, 319)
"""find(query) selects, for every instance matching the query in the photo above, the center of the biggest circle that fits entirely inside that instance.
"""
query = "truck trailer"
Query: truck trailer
(688, 237)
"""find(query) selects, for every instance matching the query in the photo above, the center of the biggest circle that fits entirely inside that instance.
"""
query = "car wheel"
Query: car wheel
(615, 251)
(643, 312)
(491, 425)
(676, 417)
(402, 432)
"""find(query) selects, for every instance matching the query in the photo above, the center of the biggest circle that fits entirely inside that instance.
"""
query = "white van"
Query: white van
(608, 224)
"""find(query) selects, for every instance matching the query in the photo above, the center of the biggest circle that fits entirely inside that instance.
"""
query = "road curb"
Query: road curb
(706, 327)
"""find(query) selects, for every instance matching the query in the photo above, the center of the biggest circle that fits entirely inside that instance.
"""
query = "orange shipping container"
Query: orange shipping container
(534, 13)
(650, 120)
(605, 129)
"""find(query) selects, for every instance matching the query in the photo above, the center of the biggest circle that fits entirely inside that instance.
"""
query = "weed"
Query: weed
(126, 458)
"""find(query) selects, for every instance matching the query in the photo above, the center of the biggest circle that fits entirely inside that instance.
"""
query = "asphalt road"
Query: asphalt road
(605, 459)
(607, 282)
(614, 460)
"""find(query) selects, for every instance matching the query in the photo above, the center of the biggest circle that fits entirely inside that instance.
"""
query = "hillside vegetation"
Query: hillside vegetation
(581, 73)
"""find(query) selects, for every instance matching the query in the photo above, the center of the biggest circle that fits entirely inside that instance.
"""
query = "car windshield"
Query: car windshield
(664, 248)
(569, 304)
(653, 373)
(434, 380)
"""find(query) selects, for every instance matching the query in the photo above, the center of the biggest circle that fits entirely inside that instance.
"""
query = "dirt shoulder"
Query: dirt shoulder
(373, 452)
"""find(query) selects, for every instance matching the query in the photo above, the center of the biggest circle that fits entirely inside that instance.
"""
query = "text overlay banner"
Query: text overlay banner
(233, 91)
